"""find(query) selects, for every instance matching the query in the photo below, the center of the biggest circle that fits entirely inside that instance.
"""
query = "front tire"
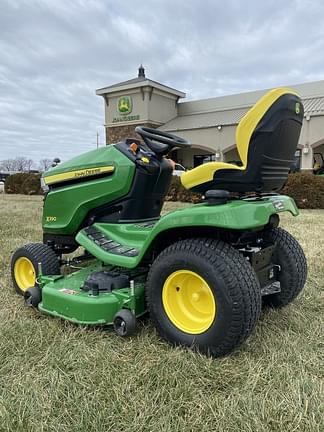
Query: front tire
(24, 265)
(293, 268)
(204, 294)
(124, 323)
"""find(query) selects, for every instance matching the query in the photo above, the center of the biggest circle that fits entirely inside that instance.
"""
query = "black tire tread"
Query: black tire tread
(130, 320)
(292, 258)
(37, 252)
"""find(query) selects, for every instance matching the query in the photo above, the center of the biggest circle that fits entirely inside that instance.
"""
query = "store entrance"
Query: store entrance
(201, 159)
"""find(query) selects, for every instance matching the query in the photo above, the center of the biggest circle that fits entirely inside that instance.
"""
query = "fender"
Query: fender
(235, 215)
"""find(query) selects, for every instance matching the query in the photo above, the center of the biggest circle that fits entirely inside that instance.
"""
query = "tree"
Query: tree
(45, 164)
(23, 164)
(7, 165)
(20, 164)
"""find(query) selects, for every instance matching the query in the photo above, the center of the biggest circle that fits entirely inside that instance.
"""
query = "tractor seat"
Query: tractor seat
(266, 139)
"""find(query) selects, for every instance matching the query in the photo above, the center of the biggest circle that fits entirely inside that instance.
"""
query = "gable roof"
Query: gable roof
(140, 81)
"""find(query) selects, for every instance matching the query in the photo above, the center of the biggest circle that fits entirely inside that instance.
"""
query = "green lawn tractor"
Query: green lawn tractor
(202, 272)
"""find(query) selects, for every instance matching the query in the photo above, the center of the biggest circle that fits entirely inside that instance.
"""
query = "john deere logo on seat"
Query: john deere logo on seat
(124, 105)
(297, 108)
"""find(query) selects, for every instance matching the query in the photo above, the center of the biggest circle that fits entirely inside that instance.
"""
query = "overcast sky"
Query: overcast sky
(55, 53)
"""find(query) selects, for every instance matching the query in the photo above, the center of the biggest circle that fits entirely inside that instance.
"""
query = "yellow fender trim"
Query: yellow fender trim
(205, 173)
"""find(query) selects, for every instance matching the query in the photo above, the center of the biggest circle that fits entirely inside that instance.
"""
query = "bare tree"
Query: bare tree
(45, 164)
(19, 163)
(29, 164)
(23, 164)
(7, 165)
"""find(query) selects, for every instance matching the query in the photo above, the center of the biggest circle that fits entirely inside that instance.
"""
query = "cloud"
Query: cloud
(54, 54)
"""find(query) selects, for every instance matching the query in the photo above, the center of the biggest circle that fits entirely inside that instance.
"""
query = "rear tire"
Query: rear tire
(203, 269)
(24, 265)
(291, 258)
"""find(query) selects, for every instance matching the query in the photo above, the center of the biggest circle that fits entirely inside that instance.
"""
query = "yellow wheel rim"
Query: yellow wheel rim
(24, 273)
(188, 302)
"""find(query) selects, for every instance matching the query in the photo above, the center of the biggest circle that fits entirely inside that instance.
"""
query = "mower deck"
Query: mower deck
(65, 297)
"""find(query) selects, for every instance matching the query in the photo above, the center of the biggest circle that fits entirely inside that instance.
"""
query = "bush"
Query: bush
(14, 183)
(23, 183)
(306, 189)
(178, 193)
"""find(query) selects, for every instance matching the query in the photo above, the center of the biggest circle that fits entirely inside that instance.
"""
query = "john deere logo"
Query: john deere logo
(297, 108)
(125, 105)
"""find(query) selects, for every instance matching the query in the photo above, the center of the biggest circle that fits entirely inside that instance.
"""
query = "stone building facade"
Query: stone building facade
(118, 133)
(209, 124)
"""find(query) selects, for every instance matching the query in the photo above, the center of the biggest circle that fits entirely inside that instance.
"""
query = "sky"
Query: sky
(54, 54)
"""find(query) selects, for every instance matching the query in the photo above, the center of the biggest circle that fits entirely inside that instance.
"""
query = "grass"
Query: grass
(55, 376)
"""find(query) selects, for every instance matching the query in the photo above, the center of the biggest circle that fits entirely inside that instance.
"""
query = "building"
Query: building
(208, 123)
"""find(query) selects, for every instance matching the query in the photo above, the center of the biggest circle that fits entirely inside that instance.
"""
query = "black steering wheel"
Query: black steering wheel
(160, 142)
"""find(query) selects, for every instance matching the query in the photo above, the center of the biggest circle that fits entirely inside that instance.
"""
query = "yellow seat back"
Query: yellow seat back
(251, 119)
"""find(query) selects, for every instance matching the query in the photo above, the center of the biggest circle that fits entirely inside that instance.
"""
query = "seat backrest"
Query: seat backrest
(267, 138)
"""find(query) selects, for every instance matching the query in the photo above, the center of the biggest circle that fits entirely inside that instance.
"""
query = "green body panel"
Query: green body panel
(91, 159)
(66, 207)
(237, 214)
(62, 297)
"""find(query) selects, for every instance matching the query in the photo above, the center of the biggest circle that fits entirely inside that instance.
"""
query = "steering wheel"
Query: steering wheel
(160, 142)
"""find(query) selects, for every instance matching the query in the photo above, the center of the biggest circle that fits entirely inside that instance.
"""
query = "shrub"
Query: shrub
(23, 183)
(178, 193)
(306, 189)
(14, 183)
(32, 185)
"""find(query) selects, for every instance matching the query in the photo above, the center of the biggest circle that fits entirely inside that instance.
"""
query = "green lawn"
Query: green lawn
(55, 376)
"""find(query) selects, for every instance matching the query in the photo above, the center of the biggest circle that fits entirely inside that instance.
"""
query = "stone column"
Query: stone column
(115, 134)
(306, 163)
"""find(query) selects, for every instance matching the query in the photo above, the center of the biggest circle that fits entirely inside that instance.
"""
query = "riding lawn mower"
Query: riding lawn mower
(202, 272)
